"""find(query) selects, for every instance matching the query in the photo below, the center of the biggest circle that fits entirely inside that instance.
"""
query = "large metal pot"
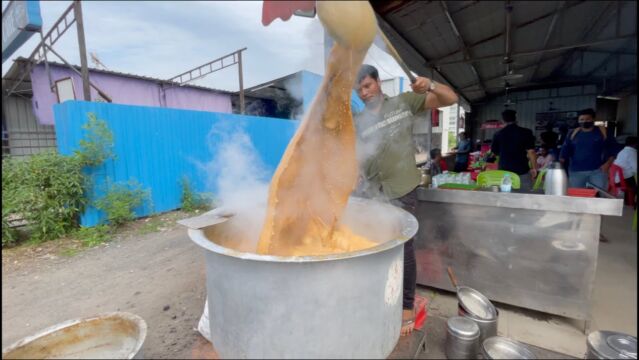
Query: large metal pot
(345, 305)
(611, 345)
(115, 335)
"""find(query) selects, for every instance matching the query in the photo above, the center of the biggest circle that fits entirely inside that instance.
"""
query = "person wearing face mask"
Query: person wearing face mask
(589, 153)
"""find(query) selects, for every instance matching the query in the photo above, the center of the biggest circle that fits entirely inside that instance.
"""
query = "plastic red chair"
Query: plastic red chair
(613, 188)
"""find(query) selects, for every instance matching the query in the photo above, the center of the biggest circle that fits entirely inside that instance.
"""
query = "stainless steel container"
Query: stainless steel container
(556, 180)
(462, 338)
(487, 327)
(346, 305)
(498, 347)
(611, 345)
(115, 335)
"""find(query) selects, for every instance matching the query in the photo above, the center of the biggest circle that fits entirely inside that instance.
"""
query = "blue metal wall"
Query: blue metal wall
(159, 146)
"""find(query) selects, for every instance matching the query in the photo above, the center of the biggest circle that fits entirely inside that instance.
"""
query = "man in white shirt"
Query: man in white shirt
(627, 160)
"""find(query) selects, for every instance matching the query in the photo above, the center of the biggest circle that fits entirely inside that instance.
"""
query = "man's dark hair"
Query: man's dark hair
(509, 116)
(463, 135)
(631, 141)
(588, 111)
(434, 152)
(367, 70)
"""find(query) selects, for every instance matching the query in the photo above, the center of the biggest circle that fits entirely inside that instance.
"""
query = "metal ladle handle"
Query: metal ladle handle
(452, 277)
(395, 55)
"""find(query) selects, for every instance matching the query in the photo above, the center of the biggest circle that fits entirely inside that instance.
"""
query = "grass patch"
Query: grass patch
(93, 236)
(69, 252)
(150, 226)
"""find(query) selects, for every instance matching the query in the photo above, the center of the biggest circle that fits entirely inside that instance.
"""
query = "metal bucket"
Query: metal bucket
(116, 335)
(345, 305)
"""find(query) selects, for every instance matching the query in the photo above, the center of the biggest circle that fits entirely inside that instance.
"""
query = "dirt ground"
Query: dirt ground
(151, 269)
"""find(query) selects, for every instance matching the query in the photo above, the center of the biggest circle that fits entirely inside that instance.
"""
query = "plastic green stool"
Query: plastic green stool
(539, 182)
(493, 177)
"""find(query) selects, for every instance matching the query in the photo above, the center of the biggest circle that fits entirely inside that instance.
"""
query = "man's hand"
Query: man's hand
(533, 173)
(421, 85)
(605, 167)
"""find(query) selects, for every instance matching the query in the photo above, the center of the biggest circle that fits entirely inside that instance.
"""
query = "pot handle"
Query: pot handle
(452, 277)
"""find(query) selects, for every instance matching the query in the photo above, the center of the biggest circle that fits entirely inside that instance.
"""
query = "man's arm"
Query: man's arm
(531, 154)
(440, 96)
(532, 157)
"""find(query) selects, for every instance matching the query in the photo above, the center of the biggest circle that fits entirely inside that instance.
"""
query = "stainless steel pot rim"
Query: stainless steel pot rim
(409, 229)
(140, 323)
(499, 347)
(610, 344)
(470, 298)
(463, 328)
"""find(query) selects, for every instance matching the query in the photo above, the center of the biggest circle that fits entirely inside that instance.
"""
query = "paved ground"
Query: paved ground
(160, 276)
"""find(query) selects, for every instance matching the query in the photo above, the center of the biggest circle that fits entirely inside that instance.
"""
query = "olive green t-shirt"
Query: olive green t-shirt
(385, 147)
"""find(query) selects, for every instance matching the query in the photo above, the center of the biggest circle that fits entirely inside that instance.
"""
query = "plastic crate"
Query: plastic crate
(581, 192)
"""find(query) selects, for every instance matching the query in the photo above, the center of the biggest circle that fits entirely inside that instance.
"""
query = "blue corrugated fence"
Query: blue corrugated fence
(157, 147)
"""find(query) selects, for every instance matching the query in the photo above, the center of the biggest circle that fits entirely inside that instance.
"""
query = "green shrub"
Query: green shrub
(121, 200)
(46, 190)
(98, 146)
(191, 200)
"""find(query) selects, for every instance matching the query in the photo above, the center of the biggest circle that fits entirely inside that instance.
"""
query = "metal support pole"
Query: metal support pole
(86, 88)
(239, 72)
(457, 127)
(46, 62)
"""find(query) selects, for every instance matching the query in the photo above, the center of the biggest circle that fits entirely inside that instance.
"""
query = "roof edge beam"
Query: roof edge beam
(462, 45)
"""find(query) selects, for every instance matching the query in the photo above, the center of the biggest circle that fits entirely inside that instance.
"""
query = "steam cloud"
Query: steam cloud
(238, 177)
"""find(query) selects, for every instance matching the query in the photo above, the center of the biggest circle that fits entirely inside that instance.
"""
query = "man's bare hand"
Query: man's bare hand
(420, 85)
(533, 173)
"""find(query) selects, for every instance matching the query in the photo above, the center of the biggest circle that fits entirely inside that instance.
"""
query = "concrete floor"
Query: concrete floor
(614, 304)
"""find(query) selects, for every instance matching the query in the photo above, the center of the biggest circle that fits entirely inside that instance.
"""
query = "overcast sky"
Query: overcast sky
(164, 38)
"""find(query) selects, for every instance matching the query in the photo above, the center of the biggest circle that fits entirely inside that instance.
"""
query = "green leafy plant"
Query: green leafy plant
(121, 200)
(97, 146)
(48, 190)
(191, 200)
(93, 236)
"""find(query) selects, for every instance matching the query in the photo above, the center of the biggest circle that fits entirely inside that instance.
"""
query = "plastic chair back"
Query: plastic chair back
(493, 177)
(614, 171)
(539, 182)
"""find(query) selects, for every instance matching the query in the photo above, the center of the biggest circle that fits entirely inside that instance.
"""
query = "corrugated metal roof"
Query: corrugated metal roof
(423, 36)
(14, 73)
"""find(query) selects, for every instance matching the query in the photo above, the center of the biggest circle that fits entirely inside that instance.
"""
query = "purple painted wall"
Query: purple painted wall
(122, 90)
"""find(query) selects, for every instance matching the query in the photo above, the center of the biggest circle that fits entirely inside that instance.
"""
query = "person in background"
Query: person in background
(435, 162)
(627, 160)
(589, 153)
(386, 153)
(545, 157)
(549, 139)
(515, 146)
(463, 148)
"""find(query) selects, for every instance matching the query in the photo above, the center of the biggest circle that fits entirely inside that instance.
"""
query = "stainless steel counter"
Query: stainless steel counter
(529, 250)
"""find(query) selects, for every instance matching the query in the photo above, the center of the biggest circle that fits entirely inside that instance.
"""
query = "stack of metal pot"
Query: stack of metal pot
(473, 305)
(462, 338)
(611, 345)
